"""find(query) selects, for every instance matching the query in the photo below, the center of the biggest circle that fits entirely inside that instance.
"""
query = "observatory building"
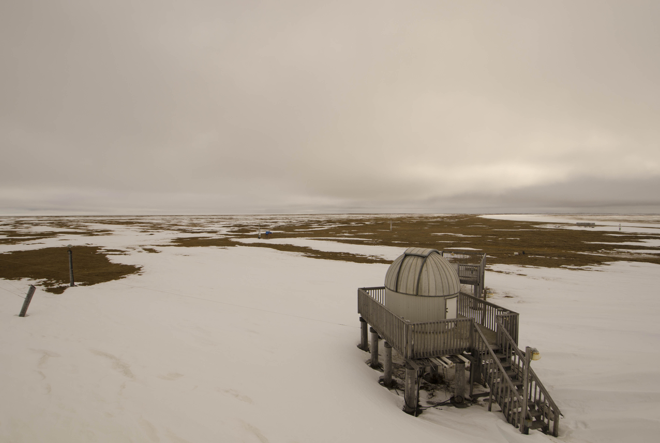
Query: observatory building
(422, 314)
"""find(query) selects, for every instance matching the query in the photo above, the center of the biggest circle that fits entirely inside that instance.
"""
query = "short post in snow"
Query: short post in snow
(71, 267)
(364, 336)
(28, 299)
(374, 348)
(530, 354)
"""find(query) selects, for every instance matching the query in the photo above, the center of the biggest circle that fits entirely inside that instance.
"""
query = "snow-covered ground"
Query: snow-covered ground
(251, 344)
(641, 224)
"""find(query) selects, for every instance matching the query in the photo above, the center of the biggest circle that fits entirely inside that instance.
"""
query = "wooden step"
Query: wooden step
(540, 425)
(535, 413)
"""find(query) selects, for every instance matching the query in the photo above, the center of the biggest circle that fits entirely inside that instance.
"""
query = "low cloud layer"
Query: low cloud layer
(249, 107)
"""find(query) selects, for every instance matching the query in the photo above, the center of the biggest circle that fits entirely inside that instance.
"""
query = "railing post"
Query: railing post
(515, 336)
(374, 348)
(483, 272)
(364, 336)
(483, 315)
(524, 429)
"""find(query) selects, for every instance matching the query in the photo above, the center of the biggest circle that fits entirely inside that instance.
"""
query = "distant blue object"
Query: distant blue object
(268, 232)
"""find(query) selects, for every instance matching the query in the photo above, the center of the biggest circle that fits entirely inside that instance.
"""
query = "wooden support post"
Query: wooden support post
(374, 348)
(387, 377)
(434, 375)
(410, 395)
(475, 369)
(364, 337)
(459, 382)
(71, 267)
(28, 299)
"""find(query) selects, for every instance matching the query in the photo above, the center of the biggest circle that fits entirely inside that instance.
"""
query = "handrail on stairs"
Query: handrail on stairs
(506, 343)
(491, 379)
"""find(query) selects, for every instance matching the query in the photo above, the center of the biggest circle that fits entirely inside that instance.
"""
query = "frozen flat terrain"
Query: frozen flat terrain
(249, 344)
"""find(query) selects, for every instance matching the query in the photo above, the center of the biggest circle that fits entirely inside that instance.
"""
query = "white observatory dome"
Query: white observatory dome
(422, 286)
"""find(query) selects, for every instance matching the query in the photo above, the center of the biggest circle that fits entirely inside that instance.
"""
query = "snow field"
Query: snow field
(251, 344)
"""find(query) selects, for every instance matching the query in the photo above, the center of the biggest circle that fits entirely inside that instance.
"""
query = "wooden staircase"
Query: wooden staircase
(502, 369)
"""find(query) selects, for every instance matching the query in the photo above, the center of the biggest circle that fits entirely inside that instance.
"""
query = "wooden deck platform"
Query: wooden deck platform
(491, 336)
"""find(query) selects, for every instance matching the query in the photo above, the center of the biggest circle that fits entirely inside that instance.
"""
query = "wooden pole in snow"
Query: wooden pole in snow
(28, 299)
(71, 267)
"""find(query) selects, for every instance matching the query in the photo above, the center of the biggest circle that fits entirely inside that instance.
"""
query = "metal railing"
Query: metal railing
(389, 326)
(442, 337)
(487, 314)
(413, 340)
(371, 305)
(470, 266)
(509, 322)
(377, 293)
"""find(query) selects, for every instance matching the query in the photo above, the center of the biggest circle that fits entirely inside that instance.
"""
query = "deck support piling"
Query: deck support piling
(387, 377)
(475, 368)
(410, 391)
(374, 348)
(434, 375)
(364, 336)
(459, 382)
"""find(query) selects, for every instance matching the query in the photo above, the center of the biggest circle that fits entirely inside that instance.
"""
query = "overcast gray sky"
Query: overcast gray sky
(220, 107)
